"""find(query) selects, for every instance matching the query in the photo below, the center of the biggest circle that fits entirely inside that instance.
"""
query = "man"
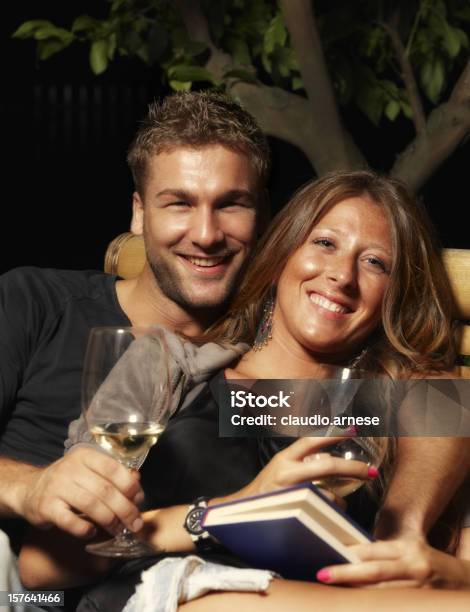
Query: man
(199, 163)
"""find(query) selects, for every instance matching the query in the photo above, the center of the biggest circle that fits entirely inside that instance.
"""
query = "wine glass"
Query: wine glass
(126, 405)
(342, 389)
(368, 450)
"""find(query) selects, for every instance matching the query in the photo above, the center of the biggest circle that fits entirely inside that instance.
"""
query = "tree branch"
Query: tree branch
(335, 151)
(198, 31)
(419, 118)
(447, 127)
(280, 113)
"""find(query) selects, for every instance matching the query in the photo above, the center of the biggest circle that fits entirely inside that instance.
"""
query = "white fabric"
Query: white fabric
(176, 580)
(9, 577)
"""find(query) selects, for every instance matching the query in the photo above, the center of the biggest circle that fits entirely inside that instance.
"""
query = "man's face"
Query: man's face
(198, 217)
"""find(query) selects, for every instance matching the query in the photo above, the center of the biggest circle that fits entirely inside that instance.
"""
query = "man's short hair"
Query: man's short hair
(197, 119)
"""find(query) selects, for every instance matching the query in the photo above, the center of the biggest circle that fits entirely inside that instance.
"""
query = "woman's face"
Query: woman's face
(330, 293)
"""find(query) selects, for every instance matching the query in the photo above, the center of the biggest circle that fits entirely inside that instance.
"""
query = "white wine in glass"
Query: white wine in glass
(127, 442)
(126, 404)
(369, 450)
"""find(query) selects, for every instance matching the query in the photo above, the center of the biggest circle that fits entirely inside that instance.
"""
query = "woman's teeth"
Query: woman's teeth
(329, 305)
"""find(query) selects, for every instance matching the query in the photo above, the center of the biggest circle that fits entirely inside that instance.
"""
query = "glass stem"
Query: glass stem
(126, 537)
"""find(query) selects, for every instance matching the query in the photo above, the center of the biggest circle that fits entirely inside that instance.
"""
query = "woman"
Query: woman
(346, 275)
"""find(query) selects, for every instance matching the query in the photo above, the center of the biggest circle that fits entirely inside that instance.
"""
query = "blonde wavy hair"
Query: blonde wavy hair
(415, 337)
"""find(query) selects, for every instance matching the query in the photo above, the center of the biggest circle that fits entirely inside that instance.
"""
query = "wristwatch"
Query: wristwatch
(192, 523)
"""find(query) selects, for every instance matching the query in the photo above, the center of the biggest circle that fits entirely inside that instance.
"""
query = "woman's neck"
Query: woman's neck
(276, 361)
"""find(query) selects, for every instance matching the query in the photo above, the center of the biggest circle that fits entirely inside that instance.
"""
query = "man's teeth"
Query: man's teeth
(207, 262)
(324, 303)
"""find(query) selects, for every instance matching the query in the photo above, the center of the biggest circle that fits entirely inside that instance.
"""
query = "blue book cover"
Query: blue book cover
(294, 531)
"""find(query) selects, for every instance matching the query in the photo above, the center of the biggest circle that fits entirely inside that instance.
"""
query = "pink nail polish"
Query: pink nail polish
(324, 575)
(372, 472)
(352, 431)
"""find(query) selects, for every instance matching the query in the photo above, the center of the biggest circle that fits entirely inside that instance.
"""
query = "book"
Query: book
(293, 531)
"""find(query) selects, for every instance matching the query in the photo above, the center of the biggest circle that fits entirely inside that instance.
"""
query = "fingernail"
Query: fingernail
(91, 533)
(352, 430)
(139, 497)
(137, 525)
(324, 575)
(372, 472)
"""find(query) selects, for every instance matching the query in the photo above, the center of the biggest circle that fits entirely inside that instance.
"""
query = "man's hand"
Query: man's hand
(84, 482)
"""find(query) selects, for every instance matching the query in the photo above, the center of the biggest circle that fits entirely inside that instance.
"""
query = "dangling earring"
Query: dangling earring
(357, 359)
(265, 329)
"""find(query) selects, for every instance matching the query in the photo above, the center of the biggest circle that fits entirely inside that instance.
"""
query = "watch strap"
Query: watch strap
(201, 538)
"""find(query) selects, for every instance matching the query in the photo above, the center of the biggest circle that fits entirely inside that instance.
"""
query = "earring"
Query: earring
(357, 359)
(265, 329)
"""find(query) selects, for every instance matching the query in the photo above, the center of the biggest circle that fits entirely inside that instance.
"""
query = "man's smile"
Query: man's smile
(208, 266)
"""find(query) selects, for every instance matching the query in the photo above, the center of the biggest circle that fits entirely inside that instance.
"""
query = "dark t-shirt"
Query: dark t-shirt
(189, 460)
(45, 317)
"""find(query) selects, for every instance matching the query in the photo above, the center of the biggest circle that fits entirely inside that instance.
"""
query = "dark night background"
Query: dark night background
(66, 186)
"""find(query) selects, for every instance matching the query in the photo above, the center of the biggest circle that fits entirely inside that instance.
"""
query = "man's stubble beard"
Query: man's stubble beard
(171, 285)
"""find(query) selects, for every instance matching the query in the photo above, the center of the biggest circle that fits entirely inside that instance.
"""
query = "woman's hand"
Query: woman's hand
(288, 467)
(409, 562)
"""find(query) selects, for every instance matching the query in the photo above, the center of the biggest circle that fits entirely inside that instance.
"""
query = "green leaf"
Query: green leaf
(374, 39)
(369, 96)
(239, 51)
(99, 56)
(42, 30)
(185, 73)
(432, 78)
(143, 54)
(138, 24)
(297, 83)
(462, 36)
(53, 32)
(372, 106)
(47, 48)
(29, 28)
(389, 87)
(423, 42)
(407, 110)
(180, 85)
(265, 60)
(116, 5)
(392, 110)
(84, 23)
(112, 44)
(451, 40)
(276, 34)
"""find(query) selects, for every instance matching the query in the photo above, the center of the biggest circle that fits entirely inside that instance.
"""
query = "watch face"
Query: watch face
(193, 521)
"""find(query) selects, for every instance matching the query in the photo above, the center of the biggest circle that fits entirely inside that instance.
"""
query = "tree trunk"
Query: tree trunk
(446, 128)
